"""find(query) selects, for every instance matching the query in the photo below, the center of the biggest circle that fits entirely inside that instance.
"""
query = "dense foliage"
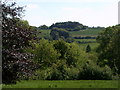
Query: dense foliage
(91, 71)
(109, 47)
(69, 26)
(57, 33)
(45, 54)
(16, 35)
(43, 27)
(88, 48)
(60, 60)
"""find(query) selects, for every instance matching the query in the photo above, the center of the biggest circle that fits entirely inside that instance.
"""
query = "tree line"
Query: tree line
(69, 26)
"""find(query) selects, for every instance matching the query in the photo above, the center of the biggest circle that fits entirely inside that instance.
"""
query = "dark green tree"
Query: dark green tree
(88, 48)
(109, 47)
(69, 26)
(57, 33)
(62, 47)
(43, 27)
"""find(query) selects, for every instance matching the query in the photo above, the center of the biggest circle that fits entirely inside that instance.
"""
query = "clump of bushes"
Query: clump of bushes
(61, 72)
(64, 72)
(94, 72)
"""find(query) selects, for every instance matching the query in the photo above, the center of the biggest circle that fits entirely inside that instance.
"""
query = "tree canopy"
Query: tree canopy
(43, 27)
(69, 26)
(16, 36)
(109, 47)
(57, 33)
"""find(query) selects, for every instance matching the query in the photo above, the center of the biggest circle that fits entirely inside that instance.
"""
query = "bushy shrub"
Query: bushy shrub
(50, 73)
(94, 72)
(64, 72)
(59, 71)
(41, 74)
(55, 75)
(72, 73)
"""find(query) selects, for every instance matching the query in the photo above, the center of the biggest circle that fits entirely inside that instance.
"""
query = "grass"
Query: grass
(0, 87)
(44, 33)
(87, 32)
(85, 40)
(92, 45)
(65, 84)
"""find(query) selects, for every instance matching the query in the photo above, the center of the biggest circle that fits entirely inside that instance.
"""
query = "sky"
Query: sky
(102, 13)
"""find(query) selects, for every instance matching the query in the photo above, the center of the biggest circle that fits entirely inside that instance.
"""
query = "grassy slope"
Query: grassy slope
(85, 40)
(92, 45)
(44, 33)
(65, 84)
(90, 32)
(87, 32)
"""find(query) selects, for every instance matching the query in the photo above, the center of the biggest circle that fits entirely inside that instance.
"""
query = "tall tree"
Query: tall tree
(15, 38)
(88, 48)
(109, 47)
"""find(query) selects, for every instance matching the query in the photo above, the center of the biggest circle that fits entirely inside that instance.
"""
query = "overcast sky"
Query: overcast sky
(88, 12)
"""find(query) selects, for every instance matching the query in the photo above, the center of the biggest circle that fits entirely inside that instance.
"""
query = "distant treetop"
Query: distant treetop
(69, 26)
(44, 27)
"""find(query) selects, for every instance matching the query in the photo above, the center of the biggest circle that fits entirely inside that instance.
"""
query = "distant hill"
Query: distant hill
(69, 26)
(75, 30)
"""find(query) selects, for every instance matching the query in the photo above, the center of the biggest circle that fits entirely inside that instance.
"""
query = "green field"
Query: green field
(85, 40)
(44, 33)
(87, 32)
(92, 45)
(65, 84)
